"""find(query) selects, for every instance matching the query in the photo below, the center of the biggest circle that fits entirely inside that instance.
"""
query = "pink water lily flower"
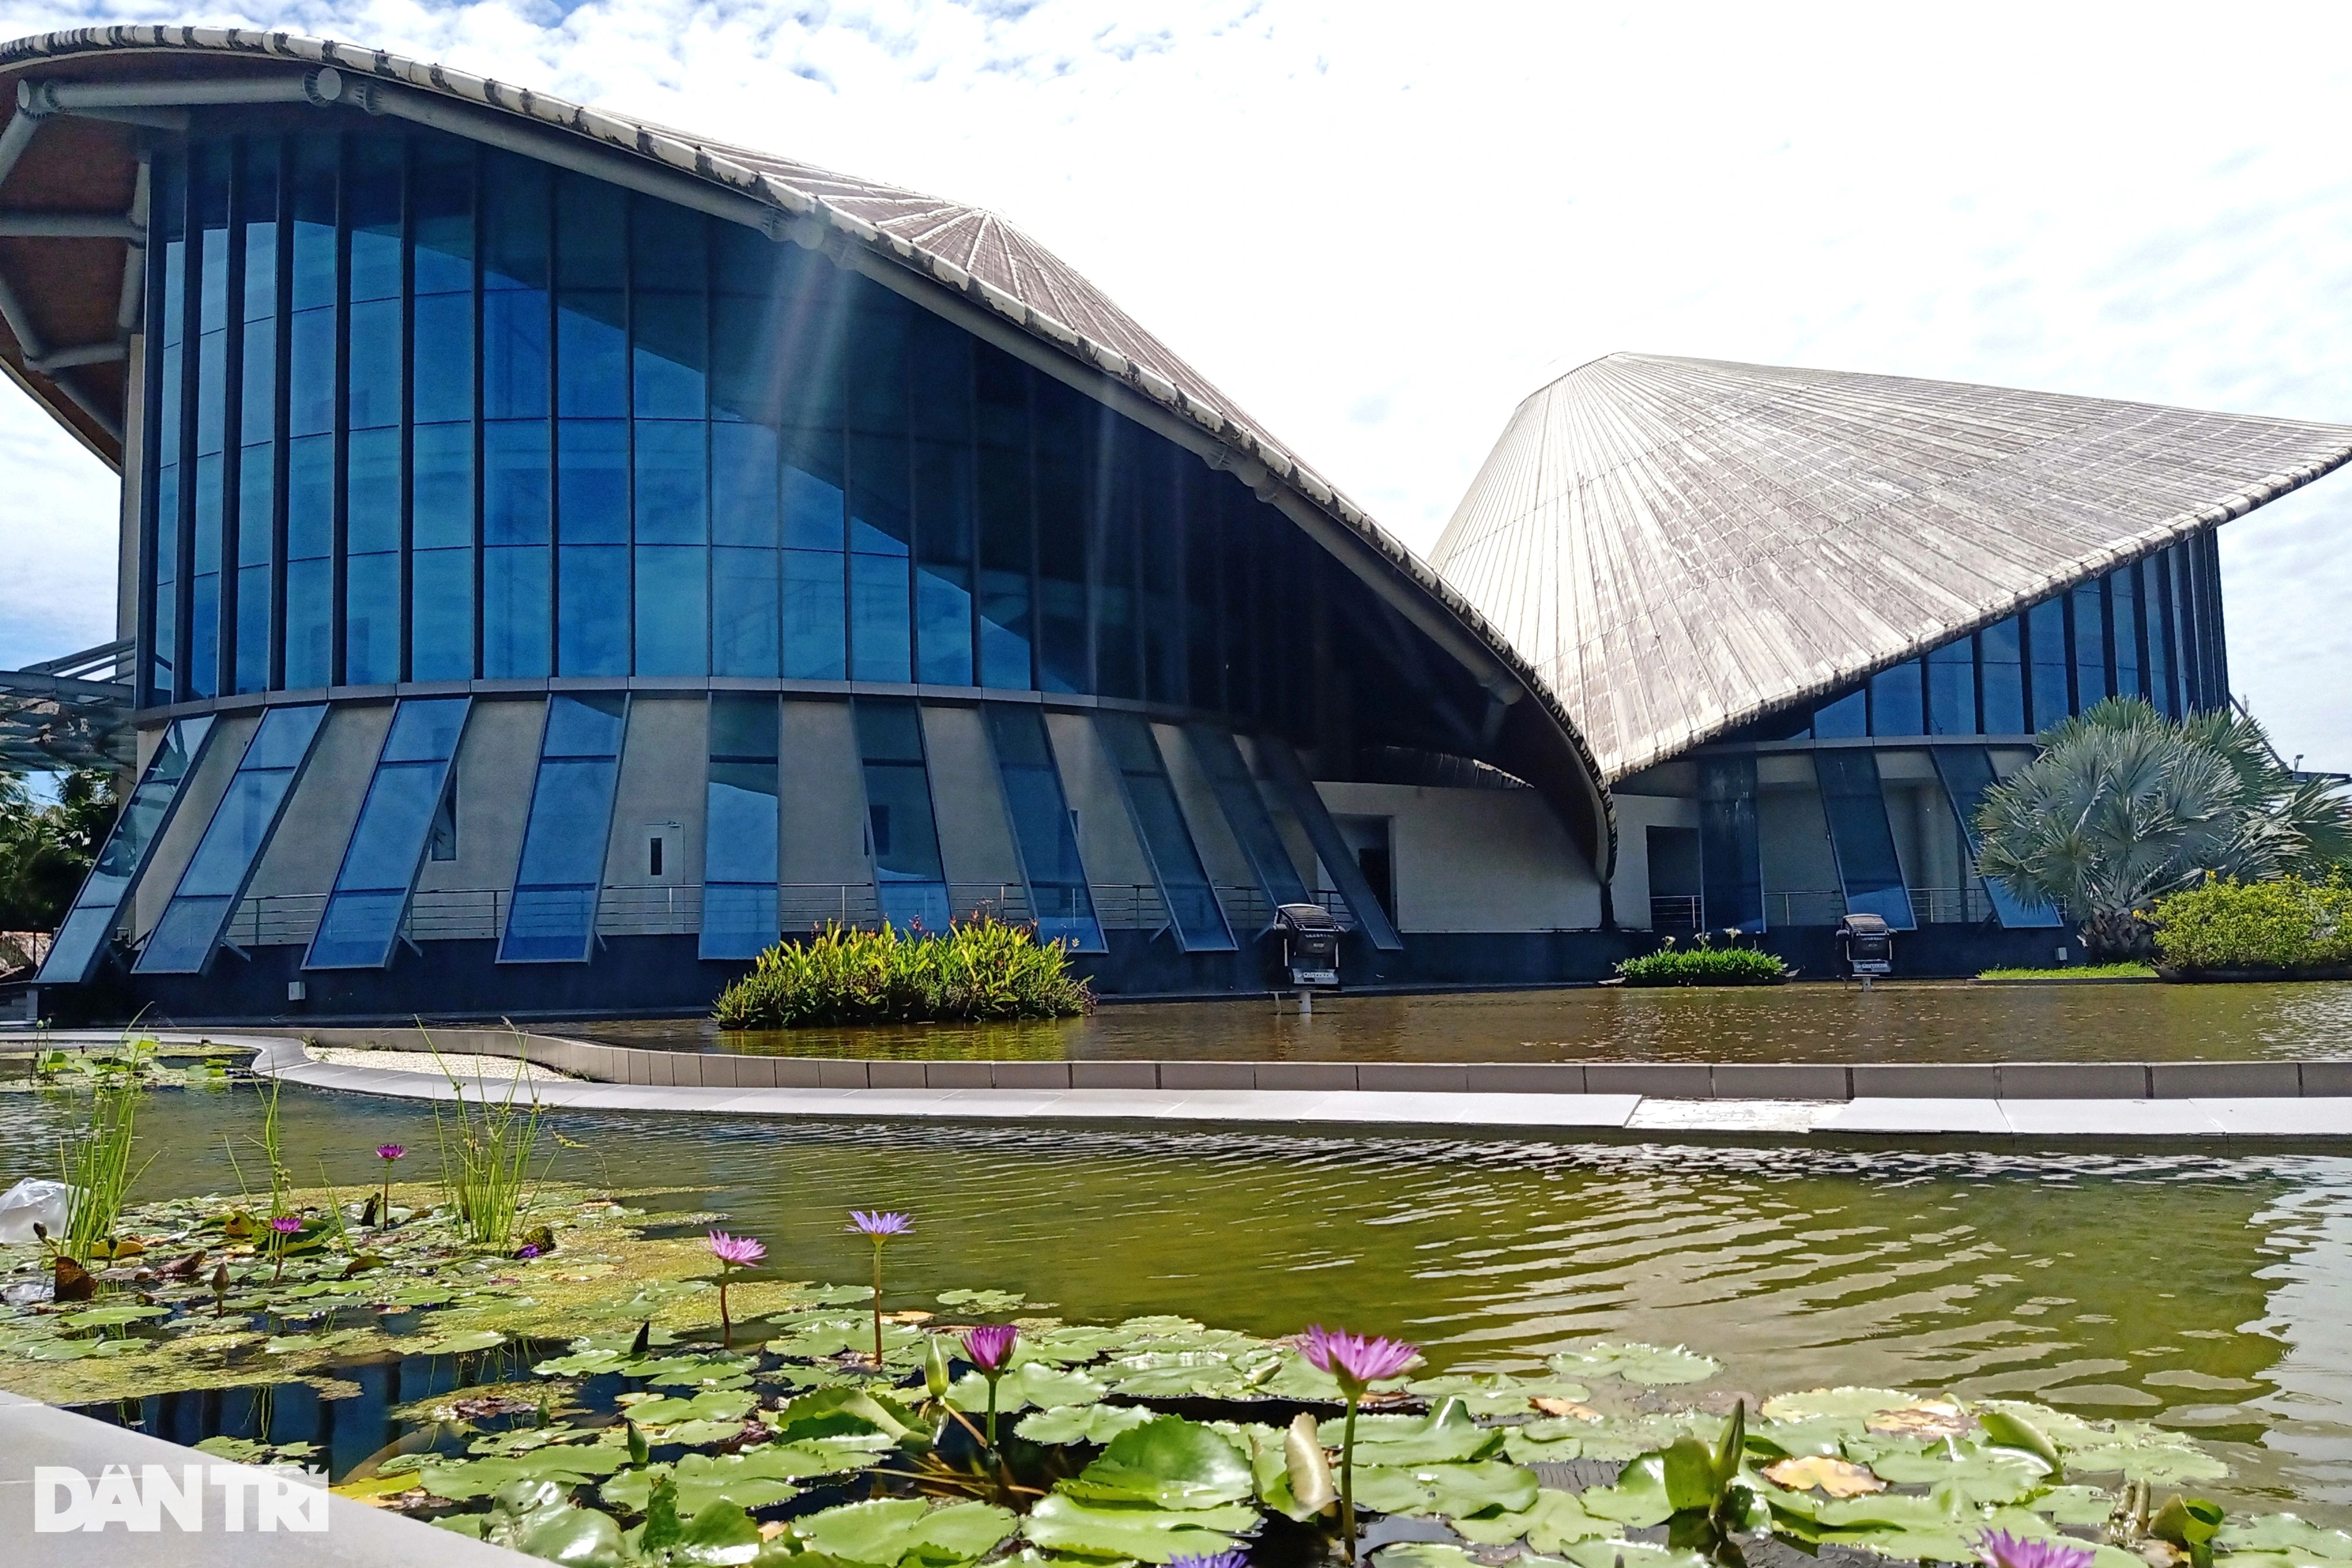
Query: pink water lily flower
(286, 1224)
(733, 1252)
(878, 1224)
(1999, 1549)
(1358, 1359)
(388, 1153)
(1216, 1559)
(990, 1346)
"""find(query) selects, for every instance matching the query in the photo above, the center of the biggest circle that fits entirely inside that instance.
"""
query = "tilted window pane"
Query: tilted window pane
(1246, 813)
(552, 918)
(1060, 901)
(1966, 773)
(902, 836)
(740, 860)
(1192, 908)
(80, 941)
(388, 842)
(1860, 836)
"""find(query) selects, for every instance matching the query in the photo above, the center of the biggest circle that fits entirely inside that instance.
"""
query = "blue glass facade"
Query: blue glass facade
(428, 411)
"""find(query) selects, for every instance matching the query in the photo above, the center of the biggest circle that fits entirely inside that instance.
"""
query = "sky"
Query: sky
(1378, 227)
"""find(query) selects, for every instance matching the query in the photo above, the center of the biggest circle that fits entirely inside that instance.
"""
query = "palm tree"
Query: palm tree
(2123, 805)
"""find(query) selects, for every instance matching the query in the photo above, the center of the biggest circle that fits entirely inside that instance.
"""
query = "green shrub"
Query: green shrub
(2071, 972)
(980, 969)
(1704, 965)
(2284, 925)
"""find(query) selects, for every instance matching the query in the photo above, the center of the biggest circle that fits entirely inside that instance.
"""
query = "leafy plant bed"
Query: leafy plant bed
(2073, 972)
(1704, 965)
(642, 1440)
(981, 968)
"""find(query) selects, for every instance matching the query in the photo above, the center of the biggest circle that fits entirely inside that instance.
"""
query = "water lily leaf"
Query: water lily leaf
(2187, 1522)
(986, 1303)
(1817, 1435)
(1940, 1418)
(1295, 1377)
(1436, 1554)
(1643, 1364)
(1846, 1404)
(2157, 1463)
(1655, 1486)
(2007, 1429)
(1966, 1474)
(462, 1343)
(831, 1335)
(1555, 1521)
(1137, 1531)
(1036, 1384)
(718, 1369)
(109, 1317)
(756, 1478)
(568, 1535)
(721, 1535)
(841, 1414)
(582, 1363)
(1818, 1472)
(1074, 1344)
(1170, 1373)
(711, 1405)
(1551, 1441)
(2284, 1532)
(1497, 1393)
(1631, 1554)
(1095, 1424)
(1449, 1490)
(235, 1450)
(1447, 1435)
(891, 1531)
(1170, 1463)
(569, 1465)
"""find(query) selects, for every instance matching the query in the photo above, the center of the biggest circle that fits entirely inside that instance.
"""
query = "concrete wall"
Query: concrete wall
(1476, 860)
(976, 843)
(497, 764)
(307, 849)
(1221, 851)
(1793, 833)
(665, 763)
(823, 798)
(1629, 890)
(1106, 841)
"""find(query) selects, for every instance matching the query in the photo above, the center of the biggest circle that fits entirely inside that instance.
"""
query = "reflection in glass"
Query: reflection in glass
(1861, 837)
(81, 941)
(1193, 912)
(387, 845)
(1895, 705)
(902, 834)
(2004, 678)
(1952, 688)
(739, 834)
(552, 918)
(1060, 901)
(2045, 644)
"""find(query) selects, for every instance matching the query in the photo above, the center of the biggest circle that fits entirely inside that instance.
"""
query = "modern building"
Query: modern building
(1805, 619)
(561, 555)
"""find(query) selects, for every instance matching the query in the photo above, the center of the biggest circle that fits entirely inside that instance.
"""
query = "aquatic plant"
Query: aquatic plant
(878, 1227)
(388, 1153)
(989, 1348)
(733, 1252)
(1211, 1559)
(96, 1170)
(485, 1152)
(979, 969)
(1356, 1362)
(1999, 1549)
(1702, 963)
(283, 1228)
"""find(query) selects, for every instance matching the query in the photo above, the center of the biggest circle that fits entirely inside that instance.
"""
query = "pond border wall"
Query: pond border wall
(603, 1063)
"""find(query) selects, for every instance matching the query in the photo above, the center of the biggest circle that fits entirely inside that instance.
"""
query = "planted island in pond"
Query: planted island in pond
(978, 969)
(1704, 964)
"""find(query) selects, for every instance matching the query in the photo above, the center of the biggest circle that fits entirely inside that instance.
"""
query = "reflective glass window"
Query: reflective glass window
(387, 844)
(1731, 864)
(1861, 837)
(81, 941)
(242, 824)
(1204, 541)
(256, 480)
(2123, 606)
(745, 588)
(1895, 701)
(309, 560)
(739, 836)
(880, 520)
(1060, 900)
(591, 510)
(208, 214)
(1966, 773)
(1001, 498)
(2045, 634)
(1246, 813)
(2004, 669)
(1114, 502)
(940, 382)
(168, 254)
(371, 610)
(553, 916)
(2155, 614)
(441, 395)
(1193, 912)
(1952, 688)
(902, 834)
(1064, 431)
(1161, 494)
(1842, 718)
(2086, 633)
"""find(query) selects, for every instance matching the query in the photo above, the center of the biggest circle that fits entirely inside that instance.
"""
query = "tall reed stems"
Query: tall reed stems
(486, 1151)
(97, 1169)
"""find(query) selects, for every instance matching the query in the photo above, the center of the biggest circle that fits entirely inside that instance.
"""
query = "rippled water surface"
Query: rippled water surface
(2209, 1294)
(1919, 1021)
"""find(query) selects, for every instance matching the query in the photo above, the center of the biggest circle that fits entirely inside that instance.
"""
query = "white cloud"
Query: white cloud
(1380, 226)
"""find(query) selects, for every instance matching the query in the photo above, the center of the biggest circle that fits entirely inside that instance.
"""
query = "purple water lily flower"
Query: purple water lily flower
(733, 1252)
(286, 1224)
(990, 1347)
(1999, 1549)
(527, 1252)
(1358, 1361)
(1216, 1559)
(388, 1153)
(878, 1224)
(282, 1227)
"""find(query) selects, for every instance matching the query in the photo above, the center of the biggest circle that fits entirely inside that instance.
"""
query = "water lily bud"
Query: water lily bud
(935, 1367)
(1308, 1468)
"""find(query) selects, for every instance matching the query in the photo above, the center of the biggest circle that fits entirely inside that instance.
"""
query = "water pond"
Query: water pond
(2206, 1294)
(1896, 1022)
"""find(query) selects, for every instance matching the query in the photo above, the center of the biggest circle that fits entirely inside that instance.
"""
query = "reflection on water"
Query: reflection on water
(1921, 1022)
(2203, 1292)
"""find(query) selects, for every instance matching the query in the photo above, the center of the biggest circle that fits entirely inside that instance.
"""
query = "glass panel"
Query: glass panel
(592, 522)
(1731, 864)
(515, 594)
(233, 842)
(1118, 670)
(672, 597)
(1895, 702)
(1246, 813)
(745, 603)
(2086, 631)
(2123, 605)
(1842, 718)
(1204, 539)
(1064, 431)
(2045, 627)
(372, 614)
(1282, 770)
(1193, 909)
(2156, 614)
(1967, 773)
(1060, 901)
(902, 836)
(739, 835)
(552, 919)
(1161, 494)
(2003, 673)
(1861, 837)
(1001, 407)
(81, 940)
(1952, 688)
(380, 864)
(209, 215)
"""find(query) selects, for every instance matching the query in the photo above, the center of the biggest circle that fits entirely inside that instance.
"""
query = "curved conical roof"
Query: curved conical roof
(1681, 546)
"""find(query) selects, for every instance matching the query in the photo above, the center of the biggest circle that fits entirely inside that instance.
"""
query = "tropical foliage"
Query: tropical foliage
(2125, 806)
(1702, 963)
(2287, 926)
(979, 968)
(45, 851)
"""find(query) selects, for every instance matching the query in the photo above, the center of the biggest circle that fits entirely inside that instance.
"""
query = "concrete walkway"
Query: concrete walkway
(1360, 1110)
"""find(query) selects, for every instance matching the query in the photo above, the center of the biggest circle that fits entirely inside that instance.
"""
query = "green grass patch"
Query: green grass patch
(983, 969)
(2073, 972)
(1702, 965)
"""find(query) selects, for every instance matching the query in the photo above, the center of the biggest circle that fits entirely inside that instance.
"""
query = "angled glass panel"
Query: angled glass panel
(1967, 773)
(242, 824)
(1731, 860)
(902, 834)
(1297, 791)
(2087, 626)
(2004, 677)
(1246, 813)
(1193, 909)
(1060, 900)
(552, 919)
(2045, 637)
(81, 939)
(740, 863)
(387, 846)
(1861, 837)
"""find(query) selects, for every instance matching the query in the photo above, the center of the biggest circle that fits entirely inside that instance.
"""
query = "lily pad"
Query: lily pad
(2284, 1532)
(756, 1478)
(1135, 1531)
(1846, 1404)
(891, 1531)
(1035, 1383)
(1820, 1472)
(1555, 1521)
(711, 1405)
(1495, 1393)
(1968, 1475)
(987, 1303)
(1447, 1435)
(113, 1316)
(1170, 1463)
(1095, 1424)
(1450, 1489)
(576, 1464)
(462, 1344)
(1648, 1364)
